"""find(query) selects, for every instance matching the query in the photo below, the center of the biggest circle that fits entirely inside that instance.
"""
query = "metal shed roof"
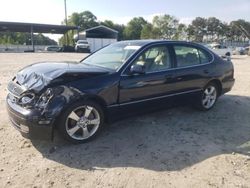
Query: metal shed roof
(101, 31)
(36, 28)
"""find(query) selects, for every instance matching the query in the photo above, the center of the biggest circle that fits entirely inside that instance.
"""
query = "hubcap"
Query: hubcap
(82, 122)
(209, 97)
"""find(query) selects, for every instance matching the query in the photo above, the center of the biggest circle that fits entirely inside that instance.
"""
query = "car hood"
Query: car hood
(82, 44)
(37, 76)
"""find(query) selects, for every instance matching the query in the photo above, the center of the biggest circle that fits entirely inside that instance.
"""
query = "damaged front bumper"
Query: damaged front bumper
(30, 122)
(38, 121)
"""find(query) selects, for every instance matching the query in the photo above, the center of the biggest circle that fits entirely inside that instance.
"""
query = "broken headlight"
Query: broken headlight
(27, 99)
(45, 98)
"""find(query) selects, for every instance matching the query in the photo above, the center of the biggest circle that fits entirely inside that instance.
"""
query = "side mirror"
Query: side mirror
(137, 69)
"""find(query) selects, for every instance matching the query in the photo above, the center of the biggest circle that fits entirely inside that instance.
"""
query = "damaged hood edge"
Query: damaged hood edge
(37, 76)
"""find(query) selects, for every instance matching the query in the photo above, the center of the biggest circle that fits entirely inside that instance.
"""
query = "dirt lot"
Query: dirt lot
(178, 147)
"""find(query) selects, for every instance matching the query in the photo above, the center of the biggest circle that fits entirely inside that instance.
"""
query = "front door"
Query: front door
(155, 83)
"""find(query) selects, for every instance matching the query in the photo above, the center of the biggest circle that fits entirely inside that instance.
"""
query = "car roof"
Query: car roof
(214, 44)
(152, 41)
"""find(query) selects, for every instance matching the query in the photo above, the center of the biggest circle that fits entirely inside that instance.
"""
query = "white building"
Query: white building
(98, 37)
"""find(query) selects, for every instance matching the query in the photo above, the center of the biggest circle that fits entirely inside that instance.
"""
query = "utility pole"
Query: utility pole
(66, 21)
(65, 12)
(32, 38)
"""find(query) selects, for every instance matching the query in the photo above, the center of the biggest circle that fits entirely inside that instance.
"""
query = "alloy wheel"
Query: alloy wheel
(209, 97)
(83, 122)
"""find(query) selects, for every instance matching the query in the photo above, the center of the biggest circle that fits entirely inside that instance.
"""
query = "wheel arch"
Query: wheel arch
(96, 99)
(85, 97)
(218, 84)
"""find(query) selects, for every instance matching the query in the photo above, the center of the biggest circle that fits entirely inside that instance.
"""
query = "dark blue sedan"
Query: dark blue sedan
(124, 78)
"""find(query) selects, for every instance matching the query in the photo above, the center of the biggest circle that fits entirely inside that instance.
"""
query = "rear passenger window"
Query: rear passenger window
(189, 56)
(204, 58)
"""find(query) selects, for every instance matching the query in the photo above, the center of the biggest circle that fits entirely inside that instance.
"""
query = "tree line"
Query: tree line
(161, 27)
(167, 27)
(24, 39)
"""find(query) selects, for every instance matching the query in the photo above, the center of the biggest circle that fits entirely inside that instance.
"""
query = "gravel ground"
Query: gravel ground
(178, 147)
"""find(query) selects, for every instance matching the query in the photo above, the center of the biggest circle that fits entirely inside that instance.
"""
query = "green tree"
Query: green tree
(150, 32)
(241, 26)
(234, 33)
(222, 31)
(84, 20)
(166, 26)
(108, 23)
(197, 29)
(24, 38)
(213, 28)
(117, 27)
(181, 33)
(147, 31)
(134, 28)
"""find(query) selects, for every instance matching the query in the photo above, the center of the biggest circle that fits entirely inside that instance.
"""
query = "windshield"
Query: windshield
(82, 42)
(112, 56)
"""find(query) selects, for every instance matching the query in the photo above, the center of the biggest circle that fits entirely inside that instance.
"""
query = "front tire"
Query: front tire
(208, 97)
(81, 122)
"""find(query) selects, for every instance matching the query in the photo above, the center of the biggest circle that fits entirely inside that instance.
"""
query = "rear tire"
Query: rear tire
(208, 97)
(81, 122)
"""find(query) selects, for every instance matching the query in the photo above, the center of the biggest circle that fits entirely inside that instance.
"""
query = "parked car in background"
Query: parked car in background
(239, 51)
(67, 48)
(82, 46)
(52, 48)
(220, 50)
(247, 49)
(124, 78)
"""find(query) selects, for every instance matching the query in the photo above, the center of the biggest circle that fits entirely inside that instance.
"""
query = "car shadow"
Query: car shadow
(167, 140)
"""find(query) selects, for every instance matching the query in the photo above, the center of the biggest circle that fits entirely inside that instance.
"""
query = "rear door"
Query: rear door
(193, 67)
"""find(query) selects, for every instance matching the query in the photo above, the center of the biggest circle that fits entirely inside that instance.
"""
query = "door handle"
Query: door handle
(169, 77)
(179, 78)
(206, 71)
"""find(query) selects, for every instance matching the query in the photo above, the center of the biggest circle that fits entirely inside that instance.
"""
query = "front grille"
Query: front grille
(15, 89)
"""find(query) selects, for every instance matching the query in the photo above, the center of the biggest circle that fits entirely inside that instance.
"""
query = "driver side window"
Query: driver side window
(154, 59)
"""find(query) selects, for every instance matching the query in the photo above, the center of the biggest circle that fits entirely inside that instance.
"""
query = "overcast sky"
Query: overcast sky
(52, 11)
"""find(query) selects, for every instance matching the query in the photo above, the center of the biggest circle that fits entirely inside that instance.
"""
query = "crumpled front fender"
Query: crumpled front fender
(61, 101)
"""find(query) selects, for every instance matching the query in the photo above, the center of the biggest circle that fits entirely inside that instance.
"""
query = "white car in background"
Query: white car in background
(239, 51)
(82, 46)
(221, 50)
(247, 50)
